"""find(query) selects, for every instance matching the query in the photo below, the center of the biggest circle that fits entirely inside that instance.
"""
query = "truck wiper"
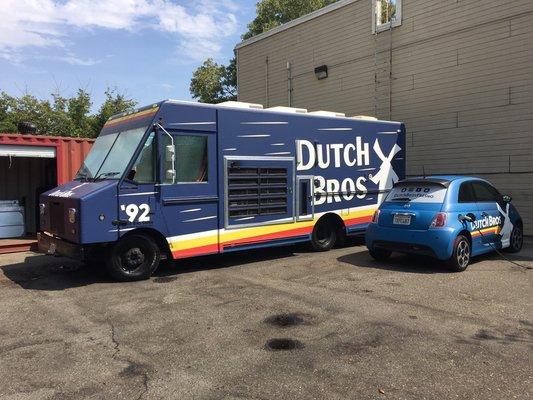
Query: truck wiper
(106, 175)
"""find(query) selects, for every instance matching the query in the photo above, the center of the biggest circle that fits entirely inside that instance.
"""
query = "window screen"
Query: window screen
(256, 191)
(191, 159)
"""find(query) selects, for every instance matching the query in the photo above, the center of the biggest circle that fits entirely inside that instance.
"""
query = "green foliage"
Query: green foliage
(272, 13)
(61, 116)
(213, 83)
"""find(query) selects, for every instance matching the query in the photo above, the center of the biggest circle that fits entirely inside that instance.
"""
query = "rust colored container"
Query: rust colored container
(69, 152)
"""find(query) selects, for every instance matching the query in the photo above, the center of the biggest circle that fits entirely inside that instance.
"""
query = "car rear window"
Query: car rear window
(426, 193)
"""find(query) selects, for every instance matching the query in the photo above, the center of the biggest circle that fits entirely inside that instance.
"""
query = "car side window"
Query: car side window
(485, 192)
(466, 193)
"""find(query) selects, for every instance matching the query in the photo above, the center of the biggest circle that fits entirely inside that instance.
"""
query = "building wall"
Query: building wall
(459, 73)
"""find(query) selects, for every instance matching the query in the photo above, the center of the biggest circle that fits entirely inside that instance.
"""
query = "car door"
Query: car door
(467, 205)
(137, 194)
(488, 201)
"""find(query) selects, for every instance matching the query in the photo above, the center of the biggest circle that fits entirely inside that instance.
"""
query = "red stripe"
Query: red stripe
(275, 235)
(358, 220)
(196, 251)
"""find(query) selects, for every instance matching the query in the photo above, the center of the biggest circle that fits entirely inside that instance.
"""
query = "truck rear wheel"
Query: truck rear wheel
(324, 235)
(133, 258)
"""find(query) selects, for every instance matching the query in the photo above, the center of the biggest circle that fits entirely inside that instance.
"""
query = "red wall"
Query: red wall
(70, 152)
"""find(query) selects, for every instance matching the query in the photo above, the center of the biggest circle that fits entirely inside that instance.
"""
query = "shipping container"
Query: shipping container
(30, 165)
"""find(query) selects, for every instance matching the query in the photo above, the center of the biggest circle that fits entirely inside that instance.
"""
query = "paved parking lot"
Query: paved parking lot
(269, 324)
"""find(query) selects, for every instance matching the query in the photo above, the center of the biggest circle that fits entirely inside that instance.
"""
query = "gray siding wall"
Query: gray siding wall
(459, 73)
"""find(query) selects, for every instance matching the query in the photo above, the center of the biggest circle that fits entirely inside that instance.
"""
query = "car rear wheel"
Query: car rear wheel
(462, 253)
(324, 236)
(517, 240)
(133, 258)
(380, 254)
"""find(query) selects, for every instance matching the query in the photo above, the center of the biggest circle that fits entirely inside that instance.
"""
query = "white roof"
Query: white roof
(294, 22)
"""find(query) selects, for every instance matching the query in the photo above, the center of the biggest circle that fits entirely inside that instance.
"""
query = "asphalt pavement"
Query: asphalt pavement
(282, 323)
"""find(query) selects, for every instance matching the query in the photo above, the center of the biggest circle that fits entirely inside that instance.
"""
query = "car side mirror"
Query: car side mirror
(506, 198)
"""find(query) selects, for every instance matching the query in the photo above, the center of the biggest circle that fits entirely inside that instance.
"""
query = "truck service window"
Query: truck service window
(191, 158)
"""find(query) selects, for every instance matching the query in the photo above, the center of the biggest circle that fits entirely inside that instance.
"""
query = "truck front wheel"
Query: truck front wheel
(133, 258)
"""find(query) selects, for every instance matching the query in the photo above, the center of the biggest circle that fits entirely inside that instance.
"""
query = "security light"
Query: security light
(321, 72)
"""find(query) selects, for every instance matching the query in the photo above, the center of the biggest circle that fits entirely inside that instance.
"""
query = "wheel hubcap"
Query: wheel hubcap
(132, 259)
(323, 234)
(463, 253)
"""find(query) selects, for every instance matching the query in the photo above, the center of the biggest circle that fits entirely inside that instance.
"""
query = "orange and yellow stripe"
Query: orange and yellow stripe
(217, 240)
(486, 231)
(132, 117)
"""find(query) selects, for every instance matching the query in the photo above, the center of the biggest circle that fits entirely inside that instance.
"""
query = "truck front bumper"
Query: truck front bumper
(58, 247)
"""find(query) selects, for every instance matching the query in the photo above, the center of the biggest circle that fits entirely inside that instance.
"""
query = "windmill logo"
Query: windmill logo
(507, 227)
(386, 176)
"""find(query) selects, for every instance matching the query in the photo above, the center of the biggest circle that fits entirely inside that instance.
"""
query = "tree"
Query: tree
(272, 13)
(213, 83)
(61, 116)
(115, 103)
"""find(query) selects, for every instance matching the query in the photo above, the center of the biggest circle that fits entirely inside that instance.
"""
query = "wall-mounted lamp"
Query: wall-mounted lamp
(321, 72)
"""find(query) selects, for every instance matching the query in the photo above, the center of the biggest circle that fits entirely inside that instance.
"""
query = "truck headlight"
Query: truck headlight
(42, 209)
(72, 215)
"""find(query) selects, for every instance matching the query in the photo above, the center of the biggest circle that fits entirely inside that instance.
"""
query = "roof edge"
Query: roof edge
(295, 22)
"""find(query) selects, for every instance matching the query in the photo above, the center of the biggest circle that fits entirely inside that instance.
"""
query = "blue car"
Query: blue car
(451, 218)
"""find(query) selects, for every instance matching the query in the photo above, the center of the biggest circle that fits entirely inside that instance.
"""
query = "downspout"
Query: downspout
(266, 82)
(289, 84)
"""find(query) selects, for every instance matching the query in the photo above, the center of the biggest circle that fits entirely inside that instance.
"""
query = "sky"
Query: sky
(147, 49)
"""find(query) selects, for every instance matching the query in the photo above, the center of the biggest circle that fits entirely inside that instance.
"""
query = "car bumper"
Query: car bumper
(436, 243)
(58, 247)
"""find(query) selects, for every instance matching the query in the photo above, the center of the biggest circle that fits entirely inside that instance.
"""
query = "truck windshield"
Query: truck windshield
(111, 154)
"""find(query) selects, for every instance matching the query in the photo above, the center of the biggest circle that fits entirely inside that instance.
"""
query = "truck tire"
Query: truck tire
(133, 258)
(324, 235)
(461, 255)
(517, 240)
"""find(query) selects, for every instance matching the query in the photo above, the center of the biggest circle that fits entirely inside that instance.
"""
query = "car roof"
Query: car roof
(443, 180)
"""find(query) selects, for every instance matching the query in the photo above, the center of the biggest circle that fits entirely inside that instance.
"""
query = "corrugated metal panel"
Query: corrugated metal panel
(70, 151)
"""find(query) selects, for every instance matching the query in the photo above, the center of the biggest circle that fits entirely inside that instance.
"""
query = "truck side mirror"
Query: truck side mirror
(170, 175)
(169, 153)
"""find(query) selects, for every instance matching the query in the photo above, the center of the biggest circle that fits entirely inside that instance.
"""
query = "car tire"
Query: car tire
(380, 254)
(462, 253)
(517, 240)
(133, 258)
(324, 236)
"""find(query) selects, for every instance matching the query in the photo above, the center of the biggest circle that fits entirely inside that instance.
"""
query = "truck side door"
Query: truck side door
(189, 199)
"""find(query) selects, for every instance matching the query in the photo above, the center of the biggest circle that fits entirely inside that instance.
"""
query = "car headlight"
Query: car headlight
(42, 209)
(72, 215)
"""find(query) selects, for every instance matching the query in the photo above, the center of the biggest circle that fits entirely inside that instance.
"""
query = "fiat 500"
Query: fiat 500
(451, 218)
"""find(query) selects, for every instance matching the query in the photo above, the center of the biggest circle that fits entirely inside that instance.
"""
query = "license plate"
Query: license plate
(400, 219)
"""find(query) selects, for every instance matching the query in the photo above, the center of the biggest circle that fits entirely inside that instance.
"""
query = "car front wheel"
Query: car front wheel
(517, 240)
(461, 254)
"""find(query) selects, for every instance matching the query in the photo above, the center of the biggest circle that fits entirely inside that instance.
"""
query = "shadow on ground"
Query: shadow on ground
(42, 272)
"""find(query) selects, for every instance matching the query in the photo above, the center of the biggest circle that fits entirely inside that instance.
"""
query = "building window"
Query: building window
(386, 14)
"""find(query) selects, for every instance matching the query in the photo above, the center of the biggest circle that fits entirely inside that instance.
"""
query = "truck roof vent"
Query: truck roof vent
(240, 104)
(288, 109)
(328, 114)
(365, 117)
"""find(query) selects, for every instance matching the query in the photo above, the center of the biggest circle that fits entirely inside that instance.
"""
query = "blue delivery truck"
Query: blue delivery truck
(181, 179)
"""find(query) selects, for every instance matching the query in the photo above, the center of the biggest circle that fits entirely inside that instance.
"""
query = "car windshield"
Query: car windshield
(111, 154)
(417, 193)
